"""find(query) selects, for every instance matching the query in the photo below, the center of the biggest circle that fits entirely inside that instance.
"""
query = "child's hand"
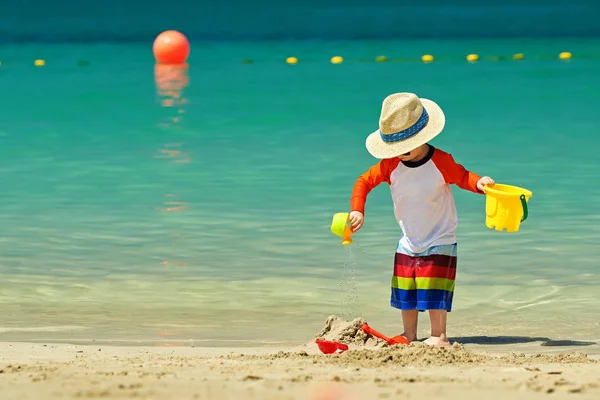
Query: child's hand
(356, 220)
(486, 180)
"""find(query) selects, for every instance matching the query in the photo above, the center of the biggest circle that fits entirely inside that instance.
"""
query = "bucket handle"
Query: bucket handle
(524, 204)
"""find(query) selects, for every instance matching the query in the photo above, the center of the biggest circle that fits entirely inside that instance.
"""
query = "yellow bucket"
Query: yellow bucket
(341, 228)
(505, 207)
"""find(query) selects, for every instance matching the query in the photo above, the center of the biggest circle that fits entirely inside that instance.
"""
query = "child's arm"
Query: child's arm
(376, 175)
(455, 173)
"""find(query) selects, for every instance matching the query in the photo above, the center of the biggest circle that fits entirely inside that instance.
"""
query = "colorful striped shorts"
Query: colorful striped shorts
(424, 281)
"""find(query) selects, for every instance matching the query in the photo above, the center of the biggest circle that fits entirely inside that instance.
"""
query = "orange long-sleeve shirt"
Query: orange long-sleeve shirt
(423, 201)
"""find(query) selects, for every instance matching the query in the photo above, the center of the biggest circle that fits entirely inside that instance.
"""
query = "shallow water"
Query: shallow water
(123, 219)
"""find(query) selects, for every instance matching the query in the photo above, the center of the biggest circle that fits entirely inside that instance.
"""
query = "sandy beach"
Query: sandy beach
(370, 369)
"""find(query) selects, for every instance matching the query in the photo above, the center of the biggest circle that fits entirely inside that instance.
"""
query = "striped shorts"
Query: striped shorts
(424, 281)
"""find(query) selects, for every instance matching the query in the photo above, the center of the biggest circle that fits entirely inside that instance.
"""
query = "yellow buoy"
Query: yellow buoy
(291, 60)
(381, 59)
(518, 56)
(472, 57)
(427, 58)
(565, 55)
(337, 60)
(39, 63)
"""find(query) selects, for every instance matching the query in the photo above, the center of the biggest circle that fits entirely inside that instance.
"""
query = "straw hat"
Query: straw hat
(406, 122)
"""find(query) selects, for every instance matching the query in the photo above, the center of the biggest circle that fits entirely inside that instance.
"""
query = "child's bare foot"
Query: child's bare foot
(410, 338)
(441, 341)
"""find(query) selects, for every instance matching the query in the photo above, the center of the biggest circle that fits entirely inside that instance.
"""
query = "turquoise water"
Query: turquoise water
(110, 20)
(126, 219)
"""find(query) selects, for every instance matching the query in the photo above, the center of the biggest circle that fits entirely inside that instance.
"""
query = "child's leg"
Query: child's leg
(435, 287)
(404, 294)
(438, 328)
(410, 320)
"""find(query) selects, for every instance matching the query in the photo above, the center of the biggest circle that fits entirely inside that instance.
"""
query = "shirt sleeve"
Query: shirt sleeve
(376, 175)
(455, 173)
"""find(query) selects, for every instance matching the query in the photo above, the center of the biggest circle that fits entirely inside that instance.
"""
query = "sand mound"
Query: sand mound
(416, 354)
(420, 355)
(367, 351)
(350, 333)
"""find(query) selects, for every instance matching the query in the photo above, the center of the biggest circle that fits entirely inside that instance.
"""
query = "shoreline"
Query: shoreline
(500, 344)
(56, 371)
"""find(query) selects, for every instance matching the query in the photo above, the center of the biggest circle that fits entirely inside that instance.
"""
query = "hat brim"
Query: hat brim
(380, 149)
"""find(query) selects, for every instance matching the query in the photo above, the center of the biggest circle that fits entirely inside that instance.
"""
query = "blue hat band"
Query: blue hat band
(408, 132)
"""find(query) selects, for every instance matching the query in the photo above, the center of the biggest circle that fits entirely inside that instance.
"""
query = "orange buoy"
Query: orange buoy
(171, 47)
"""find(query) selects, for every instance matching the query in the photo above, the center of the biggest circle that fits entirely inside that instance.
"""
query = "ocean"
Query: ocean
(193, 206)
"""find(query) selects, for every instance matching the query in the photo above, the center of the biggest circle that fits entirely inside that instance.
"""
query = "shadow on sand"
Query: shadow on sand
(498, 340)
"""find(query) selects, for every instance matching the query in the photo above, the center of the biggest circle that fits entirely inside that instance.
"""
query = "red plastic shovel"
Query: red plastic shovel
(391, 341)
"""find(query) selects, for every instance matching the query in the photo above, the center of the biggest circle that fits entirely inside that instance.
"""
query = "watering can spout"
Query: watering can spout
(346, 239)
